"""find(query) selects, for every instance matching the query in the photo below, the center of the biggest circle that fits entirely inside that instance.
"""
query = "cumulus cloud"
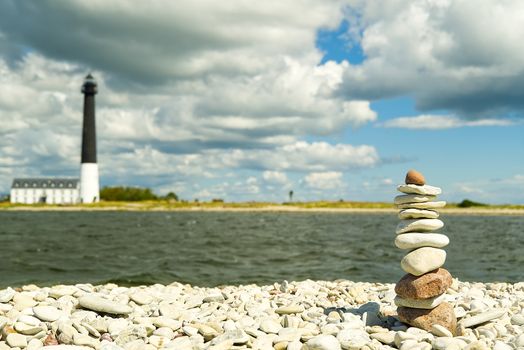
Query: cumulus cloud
(435, 122)
(324, 180)
(456, 55)
(275, 177)
(189, 92)
(157, 41)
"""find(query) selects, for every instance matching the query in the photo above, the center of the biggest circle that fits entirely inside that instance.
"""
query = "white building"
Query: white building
(45, 190)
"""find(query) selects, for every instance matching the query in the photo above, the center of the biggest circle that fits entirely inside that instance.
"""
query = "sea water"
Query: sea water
(215, 248)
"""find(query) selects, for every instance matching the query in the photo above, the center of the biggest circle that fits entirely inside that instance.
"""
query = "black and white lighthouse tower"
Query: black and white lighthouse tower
(89, 187)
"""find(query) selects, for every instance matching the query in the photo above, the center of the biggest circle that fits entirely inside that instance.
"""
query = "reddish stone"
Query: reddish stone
(50, 340)
(415, 178)
(424, 319)
(428, 285)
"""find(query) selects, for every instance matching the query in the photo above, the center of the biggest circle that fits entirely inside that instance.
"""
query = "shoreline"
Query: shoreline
(272, 208)
(295, 315)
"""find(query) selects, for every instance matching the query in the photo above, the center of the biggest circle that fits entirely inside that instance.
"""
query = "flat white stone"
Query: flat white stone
(423, 260)
(290, 309)
(23, 301)
(214, 297)
(110, 346)
(163, 321)
(26, 329)
(323, 342)
(417, 240)
(482, 318)
(424, 205)
(353, 338)
(96, 303)
(30, 320)
(16, 340)
(416, 189)
(141, 298)
(158, 341)
(419, 225)
(413, 198)
(445, 343)
(237, 336)
(82, 339)
(182, 343)
(164, 332)
(169, 310)
(417, 214)
(66, 347)
(59, 291)
(47, 313)
(294, 345)
(429, 303)
(441, 331)
(3, 322)
(7, 294)
(34, 344)
(269, 325)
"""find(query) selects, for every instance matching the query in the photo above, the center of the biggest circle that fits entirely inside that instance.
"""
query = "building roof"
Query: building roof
(45, 182)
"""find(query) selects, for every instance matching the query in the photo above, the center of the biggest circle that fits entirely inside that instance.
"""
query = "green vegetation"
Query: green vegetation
(171, 196)
(172, 202)
(127, 194)
(466, 203)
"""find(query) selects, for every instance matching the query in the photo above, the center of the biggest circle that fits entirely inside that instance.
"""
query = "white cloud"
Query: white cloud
(159, 41)
(435, 122)
(462, 56)
(188, 92)
(304, 156)
(324, 180)
(275, 177)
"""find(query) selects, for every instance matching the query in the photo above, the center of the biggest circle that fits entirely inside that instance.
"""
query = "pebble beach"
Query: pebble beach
(297, 315)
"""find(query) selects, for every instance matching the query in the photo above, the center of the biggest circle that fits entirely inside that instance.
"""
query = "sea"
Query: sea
(218, 248)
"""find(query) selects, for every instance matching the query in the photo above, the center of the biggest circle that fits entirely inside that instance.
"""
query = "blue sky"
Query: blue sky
(479, 154)
(329, 99)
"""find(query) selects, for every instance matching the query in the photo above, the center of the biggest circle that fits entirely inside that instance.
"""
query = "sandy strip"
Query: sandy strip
(274, 208)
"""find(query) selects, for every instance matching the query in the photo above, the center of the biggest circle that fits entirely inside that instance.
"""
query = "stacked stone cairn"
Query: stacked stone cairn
(421, 292)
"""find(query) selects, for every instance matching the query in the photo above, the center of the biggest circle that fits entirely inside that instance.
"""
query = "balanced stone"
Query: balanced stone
(423, 190)
(423, 205)
(96, 303)
(417, 214)
(426, 286)
(415, 178)
(412, 198)
(429, 303)
(424, 318)
(419, 225)
(423, 260)
(418, 240)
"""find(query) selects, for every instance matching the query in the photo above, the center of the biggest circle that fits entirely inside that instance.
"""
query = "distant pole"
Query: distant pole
(291, 196)
(89, 185)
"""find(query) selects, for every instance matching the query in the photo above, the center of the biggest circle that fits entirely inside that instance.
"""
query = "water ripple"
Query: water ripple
(222, 248)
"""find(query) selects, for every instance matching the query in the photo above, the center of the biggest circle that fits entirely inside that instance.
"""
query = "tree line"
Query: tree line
(132, 194)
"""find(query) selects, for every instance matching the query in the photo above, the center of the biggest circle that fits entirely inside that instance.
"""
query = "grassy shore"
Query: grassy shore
(317, 206)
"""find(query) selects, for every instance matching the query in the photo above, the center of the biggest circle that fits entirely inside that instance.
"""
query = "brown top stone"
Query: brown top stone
(424, 319)
(415, 178)
(428, 285)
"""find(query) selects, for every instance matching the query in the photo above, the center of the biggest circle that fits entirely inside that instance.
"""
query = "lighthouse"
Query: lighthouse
(89, 187)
